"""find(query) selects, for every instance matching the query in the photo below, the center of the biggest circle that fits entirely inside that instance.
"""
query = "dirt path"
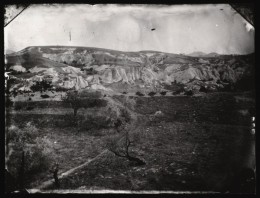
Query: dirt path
(136, 124)
(67, 173)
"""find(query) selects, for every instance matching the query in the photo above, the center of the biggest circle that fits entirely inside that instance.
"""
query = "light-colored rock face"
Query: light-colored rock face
(18, 68)
(145, 69)
(72, 70)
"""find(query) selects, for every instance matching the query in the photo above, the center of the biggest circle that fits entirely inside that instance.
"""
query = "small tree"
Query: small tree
(28, 154)
(163, 93)
(54, 170)
(41, 86)
(119, 144)
(73, 98)
(84, 99)
(138, 93)
(151, 94)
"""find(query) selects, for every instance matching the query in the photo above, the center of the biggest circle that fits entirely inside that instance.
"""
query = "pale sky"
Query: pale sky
(178, 28)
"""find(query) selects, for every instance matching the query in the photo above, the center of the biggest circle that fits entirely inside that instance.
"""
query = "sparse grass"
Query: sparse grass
(193, 146)
(70, 149)
(175, 160)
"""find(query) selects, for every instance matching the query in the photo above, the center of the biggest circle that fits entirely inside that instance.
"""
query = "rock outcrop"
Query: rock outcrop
(79, 67)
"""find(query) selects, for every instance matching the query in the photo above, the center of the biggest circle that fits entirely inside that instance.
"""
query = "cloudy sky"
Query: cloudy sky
(177, 29)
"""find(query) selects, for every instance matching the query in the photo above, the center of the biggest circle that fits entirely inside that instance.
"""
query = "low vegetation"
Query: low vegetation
(30, 154)
(41, 86)
(163, 93)
(139, 93)
(151, 93)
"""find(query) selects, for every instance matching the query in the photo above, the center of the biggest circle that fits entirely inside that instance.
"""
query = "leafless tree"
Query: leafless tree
(120, 144)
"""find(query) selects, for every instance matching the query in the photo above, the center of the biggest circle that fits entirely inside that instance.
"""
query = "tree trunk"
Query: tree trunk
(56, 179)
(10, 183)
(21, 173)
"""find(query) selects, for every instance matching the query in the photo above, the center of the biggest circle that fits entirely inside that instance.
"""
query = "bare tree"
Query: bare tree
(54, 170)
(120, 145)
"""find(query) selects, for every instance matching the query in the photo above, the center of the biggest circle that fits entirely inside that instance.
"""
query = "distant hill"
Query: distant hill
(196, 54)
(212, 54)
(202, 54)
(7, 51)
(97, 68)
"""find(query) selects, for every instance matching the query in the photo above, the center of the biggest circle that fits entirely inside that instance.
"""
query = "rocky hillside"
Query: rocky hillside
(117, 71)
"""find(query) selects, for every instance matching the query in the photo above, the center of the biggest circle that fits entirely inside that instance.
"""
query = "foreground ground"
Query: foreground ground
(197, 143)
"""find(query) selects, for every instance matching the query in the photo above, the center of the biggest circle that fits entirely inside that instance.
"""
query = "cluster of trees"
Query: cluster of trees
(41, 86)
(118, 143)
(27, 153)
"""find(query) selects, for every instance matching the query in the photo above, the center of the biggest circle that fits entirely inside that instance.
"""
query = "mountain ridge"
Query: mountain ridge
(152, 70)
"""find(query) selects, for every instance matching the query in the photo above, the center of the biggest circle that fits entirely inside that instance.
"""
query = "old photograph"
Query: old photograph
(130, 98)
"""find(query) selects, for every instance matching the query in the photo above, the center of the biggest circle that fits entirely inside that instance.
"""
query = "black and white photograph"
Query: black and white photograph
(130, 98)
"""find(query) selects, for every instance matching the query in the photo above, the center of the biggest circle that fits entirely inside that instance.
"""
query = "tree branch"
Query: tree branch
(117, 154)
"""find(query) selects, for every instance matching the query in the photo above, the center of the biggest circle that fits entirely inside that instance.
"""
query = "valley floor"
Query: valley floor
(197, 144)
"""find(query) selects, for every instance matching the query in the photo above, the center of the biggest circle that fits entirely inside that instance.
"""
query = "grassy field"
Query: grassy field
(196, 144)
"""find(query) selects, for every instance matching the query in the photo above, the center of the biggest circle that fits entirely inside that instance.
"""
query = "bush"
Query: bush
(45, 96)
(41, 86)
(176, 92)
(124, 114)
(139, 94)
(203, 89)
(124, 92)
(189, 93)
(61, 89)
(38, 151)
(163, 93)
(151, 93)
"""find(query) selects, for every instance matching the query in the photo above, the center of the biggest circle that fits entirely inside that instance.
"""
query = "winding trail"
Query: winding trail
(136, 124)
(69, 172)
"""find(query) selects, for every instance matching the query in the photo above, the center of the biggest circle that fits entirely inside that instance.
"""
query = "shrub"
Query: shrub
(41, 86)
(139, 94)
(124, 92)
(151, 93)
(176, 92)
(38, 151)
(163, 93)
(188, 93)
(203, 89)
(125, 115)
(61, 89)
(45, 96)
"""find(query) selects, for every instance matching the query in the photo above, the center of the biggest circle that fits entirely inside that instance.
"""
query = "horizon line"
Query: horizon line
(146, 50)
